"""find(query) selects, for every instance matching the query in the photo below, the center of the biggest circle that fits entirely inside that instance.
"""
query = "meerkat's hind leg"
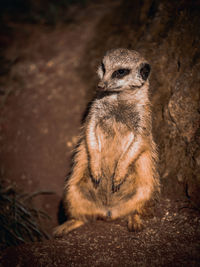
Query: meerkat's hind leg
(67, 226)
(135, 222)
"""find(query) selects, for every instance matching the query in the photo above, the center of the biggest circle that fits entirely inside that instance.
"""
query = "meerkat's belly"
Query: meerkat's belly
(111, 150)
(112, 146)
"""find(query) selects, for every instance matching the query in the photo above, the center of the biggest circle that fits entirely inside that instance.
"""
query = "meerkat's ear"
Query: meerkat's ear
(145, 69)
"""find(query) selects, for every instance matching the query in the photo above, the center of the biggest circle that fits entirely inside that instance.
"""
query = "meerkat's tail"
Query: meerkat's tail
(67, 226)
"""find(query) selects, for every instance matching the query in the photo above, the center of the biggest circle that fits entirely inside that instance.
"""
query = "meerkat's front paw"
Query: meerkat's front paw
(95, 180)
(116, 183)
(115, 187)
(95, 177)
(118, 179)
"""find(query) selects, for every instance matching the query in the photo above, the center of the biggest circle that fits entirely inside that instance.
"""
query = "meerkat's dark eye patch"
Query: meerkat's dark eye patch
(103, 68)
(145, 70)
(120, 73)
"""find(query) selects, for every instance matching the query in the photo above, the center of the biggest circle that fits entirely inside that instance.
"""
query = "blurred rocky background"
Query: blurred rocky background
(49, 53)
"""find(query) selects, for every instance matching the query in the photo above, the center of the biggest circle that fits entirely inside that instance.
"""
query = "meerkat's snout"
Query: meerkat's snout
(102, 84)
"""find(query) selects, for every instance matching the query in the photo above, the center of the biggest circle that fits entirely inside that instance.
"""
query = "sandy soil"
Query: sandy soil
(170, 238)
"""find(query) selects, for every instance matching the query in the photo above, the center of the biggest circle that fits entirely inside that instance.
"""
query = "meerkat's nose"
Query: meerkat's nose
(102, 84)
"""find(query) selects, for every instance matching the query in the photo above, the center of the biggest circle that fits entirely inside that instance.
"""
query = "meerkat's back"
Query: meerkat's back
(114, 174)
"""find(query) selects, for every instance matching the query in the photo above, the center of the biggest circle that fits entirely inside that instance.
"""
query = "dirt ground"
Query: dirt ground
(170, 238)
(43, 98)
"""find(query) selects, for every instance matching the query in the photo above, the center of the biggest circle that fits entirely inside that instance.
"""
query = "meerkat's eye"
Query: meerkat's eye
(145, 70)
(103, 68)
(120, 73)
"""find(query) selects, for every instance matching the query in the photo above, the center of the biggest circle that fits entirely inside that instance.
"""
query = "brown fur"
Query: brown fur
(114, 172)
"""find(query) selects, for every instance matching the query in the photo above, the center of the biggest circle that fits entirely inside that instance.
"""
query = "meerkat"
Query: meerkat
(114, 172)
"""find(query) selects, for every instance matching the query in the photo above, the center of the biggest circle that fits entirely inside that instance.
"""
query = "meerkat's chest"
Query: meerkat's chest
(117, 117)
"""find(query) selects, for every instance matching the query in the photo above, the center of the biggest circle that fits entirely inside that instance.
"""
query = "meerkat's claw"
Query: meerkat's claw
(95, 176)
(96, 181)
(116, 187)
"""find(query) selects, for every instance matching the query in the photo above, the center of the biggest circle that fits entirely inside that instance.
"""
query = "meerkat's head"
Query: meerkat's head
(123, 69)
